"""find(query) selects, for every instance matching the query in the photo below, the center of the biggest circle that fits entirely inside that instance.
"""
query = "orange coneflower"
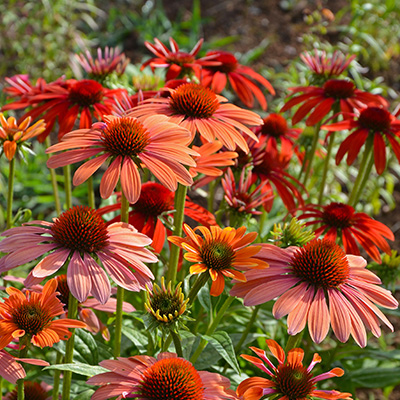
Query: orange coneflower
(167, 377)
(30, 317)
(290, 380)
(128, 142)
(319, 284)
(199, 109)
(219, 251)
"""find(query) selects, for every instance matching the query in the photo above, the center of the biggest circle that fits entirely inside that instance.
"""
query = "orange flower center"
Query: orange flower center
(80, 228)
(32, 391)
(86, 93)
(217, 255)
(322, 263)
(154, 200)
(31, 318)
(172, 379)
(375, 119)
(294, 381)
(194, 101)
(125, 137)
(339, 89)
(180, 58)
(63, 290)
(338, 215)
(274, 125)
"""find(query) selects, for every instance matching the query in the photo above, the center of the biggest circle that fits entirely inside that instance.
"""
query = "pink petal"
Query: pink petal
(340, 319)
(289, 300)
(130, 180)
(88, 169)
(78, 278)
(101, 288)
(297, 319)
(51, 263)
(318, 317)
(110, 178)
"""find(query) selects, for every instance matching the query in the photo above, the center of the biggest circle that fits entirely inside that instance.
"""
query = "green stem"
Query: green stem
(53, 177)
(20, 382)
(212, 327)
(180, 199)
(56, 381)
(310, 155)
(211, 195)
(357, 188)
(120, 291)
(198, 284)
(199, 318)
(10, 195)
(248, 328)
(1, 387)
(326, 166)
(69, 348)
(366, 177)
(67, 186)
(261, 224)
(294, 341)
(177, 343)
(91, 200)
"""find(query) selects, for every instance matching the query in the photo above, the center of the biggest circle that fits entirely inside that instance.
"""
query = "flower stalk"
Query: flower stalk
(311, 153)
(10, 194)
(67, 186)
(53, 178)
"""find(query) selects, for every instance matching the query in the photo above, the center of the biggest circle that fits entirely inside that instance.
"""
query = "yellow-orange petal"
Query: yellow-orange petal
(197, 269)
(10, 147)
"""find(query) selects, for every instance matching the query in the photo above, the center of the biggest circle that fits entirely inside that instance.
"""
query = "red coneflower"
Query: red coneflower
(13, 135)
(320, 284)
(240, 77)
(128, 142)
(218, 252)
(338, 219)
(30, 316)
(290, 380)
(199, 109)
(81, 235)
(374, 122)
(32, 391)
(179, 63)
(167, 377)
(322, 99)
(154, 203)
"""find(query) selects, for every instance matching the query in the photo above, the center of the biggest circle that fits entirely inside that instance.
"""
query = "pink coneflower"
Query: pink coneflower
(128, 142)
(199, 109)
(240, 77)
(341, 220)
(239, 197)
(81, 234)
(290, 380)
(321, 285)
(167, 377)
(178, 62)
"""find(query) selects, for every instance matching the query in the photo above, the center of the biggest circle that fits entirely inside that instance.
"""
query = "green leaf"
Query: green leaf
(204, 298)
(136, 337)
(79, 368)
(222, 343)
(85, 347)
(86, 395)
(375, 377)
(188, 340)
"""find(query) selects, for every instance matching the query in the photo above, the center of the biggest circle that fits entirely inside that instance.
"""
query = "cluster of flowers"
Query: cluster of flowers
(183, 134)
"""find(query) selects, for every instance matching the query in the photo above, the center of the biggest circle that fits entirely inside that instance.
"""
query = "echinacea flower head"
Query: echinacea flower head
(375, 123)
(241, 78)
(153, 212)
(220, 253)
(32, 391)
(127, 143)
(319, 284)
(81, 236)
(113, 60)
(290, 379)
(30, 317)
(167, 377)
(318, 102)
(199, 109)
(178, 63)
(13, 135)
(388, 269)
(294, 233)
(326, 66)
(341, 220)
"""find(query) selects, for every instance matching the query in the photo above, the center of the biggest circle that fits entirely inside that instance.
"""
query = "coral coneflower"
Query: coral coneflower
(80, 235)
(30, 317)
(341, 220)
(32, 391)
(219, 252)
(290, 380)
(321, 285)
(374, 122)
(167, 377)
(178, 62)
(322, 99)
(240, 77)
(199, 109)
(128, 142)
(155, 204)
(13, 135)
(11, 370)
